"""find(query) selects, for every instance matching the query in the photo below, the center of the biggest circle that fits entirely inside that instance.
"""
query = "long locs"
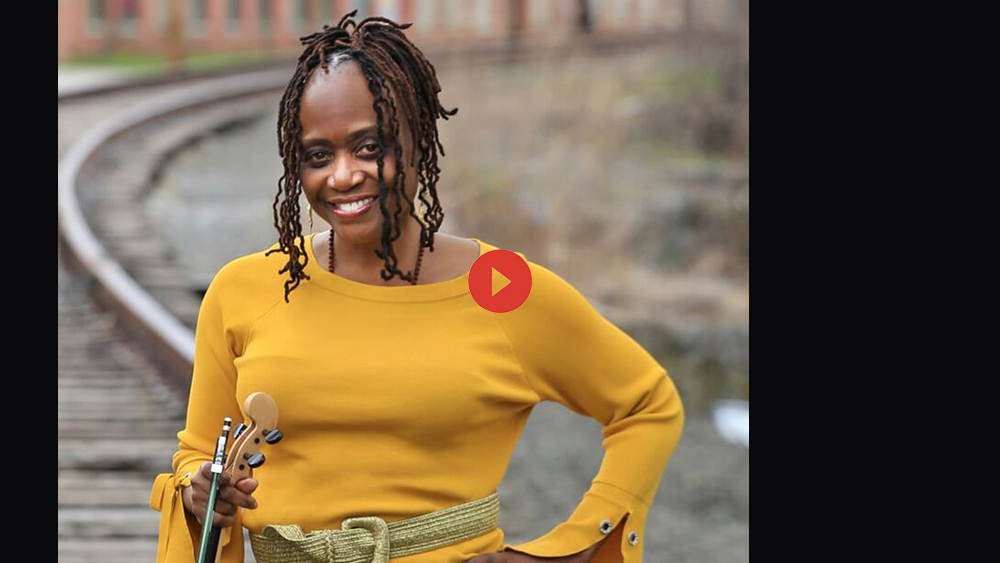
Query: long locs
(387, 58)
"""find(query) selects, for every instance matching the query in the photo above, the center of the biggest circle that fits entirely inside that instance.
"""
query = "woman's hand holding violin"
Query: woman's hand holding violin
(195, 497)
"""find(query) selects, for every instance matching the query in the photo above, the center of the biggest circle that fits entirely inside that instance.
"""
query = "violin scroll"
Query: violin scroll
(245, 454)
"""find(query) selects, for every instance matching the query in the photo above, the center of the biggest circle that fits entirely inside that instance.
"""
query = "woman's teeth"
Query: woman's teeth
(354, 206)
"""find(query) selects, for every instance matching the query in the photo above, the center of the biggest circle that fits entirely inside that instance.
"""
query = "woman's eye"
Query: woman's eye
(312, 156)
(319, 157)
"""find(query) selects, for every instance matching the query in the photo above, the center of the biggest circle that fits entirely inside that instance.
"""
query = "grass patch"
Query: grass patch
(153, 63)
(686, 83)
(658, 151)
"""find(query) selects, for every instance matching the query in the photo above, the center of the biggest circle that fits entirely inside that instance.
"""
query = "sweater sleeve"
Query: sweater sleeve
(571, 354)
(213, 397)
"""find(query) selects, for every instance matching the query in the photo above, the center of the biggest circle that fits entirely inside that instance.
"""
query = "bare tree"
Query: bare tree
(584, 24)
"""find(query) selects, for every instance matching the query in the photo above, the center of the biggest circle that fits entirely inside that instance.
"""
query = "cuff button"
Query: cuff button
(605, 527)
(633, 538)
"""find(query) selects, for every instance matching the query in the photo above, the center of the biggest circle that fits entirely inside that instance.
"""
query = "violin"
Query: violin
(244, 456)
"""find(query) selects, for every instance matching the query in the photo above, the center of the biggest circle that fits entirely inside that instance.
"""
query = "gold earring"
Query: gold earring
(310, 216)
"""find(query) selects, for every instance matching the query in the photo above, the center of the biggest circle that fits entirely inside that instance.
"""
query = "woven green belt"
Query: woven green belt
(365, 539)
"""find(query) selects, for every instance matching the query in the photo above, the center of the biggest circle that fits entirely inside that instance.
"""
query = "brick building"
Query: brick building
(141, 26)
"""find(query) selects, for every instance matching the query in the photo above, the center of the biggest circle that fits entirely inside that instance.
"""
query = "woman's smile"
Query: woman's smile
(354, 209)
(341, 146)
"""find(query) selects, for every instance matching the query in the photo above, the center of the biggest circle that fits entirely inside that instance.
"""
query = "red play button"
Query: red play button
(500, 281)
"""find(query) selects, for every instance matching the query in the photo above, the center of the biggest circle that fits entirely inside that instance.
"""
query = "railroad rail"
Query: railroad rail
(125, 345)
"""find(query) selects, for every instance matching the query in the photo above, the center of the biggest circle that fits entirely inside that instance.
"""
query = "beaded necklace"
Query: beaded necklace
(416, 271)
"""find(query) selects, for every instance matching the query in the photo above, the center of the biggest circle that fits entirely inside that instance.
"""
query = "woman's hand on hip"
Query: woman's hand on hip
(584, 556)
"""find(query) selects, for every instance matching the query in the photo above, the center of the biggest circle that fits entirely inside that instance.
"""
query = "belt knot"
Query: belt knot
(380, 534)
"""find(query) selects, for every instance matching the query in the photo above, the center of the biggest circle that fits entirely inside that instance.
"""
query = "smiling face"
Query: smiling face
(339, 151)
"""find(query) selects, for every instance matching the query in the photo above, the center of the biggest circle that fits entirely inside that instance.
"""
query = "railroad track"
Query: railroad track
(121, 399)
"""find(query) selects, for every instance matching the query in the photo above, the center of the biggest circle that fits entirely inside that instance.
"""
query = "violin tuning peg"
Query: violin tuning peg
(238, 430)
(255, 460)
(273, 436)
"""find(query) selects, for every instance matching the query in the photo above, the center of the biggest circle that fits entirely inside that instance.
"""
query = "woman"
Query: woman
(400, 399)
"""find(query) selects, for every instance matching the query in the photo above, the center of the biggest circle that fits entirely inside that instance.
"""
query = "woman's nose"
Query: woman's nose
(344, 176)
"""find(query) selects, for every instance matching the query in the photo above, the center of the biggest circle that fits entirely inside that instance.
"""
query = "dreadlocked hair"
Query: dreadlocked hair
(391, 63)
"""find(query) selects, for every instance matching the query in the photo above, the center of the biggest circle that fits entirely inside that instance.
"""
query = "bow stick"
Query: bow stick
(243, 457)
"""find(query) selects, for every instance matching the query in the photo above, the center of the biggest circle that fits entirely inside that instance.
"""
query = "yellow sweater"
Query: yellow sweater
(398, 401)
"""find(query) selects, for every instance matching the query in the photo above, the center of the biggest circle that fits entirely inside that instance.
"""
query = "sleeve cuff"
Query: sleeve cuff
(599, 516)
(179, 531)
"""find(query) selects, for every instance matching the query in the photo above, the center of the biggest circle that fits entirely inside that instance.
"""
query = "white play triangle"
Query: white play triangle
(498, 278)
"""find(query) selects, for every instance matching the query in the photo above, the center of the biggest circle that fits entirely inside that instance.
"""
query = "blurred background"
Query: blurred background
(605, 139)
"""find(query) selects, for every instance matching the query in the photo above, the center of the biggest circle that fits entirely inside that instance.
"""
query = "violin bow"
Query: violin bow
(207, 530)
(243, 458)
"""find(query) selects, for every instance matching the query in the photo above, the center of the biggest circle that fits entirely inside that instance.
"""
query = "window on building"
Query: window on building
(388, 9)
(161, 16)
(361, 6)
(454, 14)
(426, 15)
(539, 15)
(234, 16)
(618, 13)
(325, 13)
(198, 18)
(303, 16)
(97, 14)
(483, 16)
(264, 16)
(129, 23)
